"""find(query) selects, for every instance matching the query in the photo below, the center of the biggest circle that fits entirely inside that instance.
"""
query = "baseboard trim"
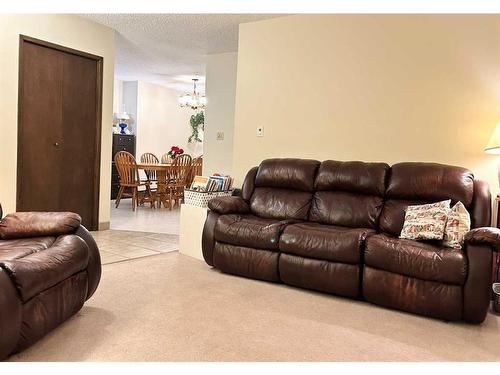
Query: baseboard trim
(104, 226)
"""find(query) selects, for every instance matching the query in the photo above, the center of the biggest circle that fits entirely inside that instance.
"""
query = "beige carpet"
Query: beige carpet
(170, 307)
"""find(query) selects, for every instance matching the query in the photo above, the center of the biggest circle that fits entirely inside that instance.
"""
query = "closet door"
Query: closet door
(59, 130)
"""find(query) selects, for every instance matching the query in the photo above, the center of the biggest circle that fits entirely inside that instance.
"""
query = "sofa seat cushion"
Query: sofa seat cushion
(250, 231)
(322, 275)
(247, 262)
(423, 297)
(425, 261)
(325, 242)
(15, 249)
(39, 271)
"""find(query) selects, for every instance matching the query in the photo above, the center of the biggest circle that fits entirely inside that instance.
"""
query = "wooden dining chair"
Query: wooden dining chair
(129, 180)
(163, 195)
(177, 177)
(196, 167)
(166, 159)
(149, 158)
(199, 166)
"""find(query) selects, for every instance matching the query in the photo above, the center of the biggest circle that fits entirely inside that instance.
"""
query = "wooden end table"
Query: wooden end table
(496, 223)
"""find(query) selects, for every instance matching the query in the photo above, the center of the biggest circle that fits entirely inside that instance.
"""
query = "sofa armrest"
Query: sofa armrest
(485, 236)
(41, 270)
(10, 315)
(208, 237)
(229, 205)
(477, 288)
(38, 224)
(94, 268)
(479, 244)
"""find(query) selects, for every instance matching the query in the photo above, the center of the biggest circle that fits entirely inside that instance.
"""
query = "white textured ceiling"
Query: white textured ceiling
(170, 49)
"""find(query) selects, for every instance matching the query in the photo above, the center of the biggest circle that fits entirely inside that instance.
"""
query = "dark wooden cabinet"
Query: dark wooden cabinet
(121, 142)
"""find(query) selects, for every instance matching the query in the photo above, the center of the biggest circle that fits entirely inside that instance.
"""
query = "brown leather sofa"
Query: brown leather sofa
(333, 227)
(49, 266)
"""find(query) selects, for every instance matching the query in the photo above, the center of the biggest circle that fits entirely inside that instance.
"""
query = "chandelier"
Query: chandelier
(194, 99)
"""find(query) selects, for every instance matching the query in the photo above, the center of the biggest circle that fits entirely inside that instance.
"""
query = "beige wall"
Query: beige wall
(67, 30)
(161, 123)
(219, 115)
(128, 104)
(117, 96)
(374, 88)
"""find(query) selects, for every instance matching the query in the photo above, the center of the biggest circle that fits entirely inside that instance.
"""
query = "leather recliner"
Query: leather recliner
(333, 227)
(49, 266)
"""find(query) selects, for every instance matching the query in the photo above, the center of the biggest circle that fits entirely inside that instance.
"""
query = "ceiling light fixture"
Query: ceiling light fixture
(194, 99)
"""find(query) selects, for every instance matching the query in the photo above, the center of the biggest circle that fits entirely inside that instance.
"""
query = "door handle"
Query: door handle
(56, 144)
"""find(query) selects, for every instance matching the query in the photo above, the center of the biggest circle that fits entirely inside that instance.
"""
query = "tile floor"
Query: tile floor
(119, 245)
(140, 233)
(144, 218)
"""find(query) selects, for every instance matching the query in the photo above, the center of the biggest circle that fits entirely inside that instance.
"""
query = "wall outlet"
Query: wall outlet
(220, 136)
(260, 131)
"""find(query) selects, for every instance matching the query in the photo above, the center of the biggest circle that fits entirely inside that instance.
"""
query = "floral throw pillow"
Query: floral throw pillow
(457, 225)
(426, 221)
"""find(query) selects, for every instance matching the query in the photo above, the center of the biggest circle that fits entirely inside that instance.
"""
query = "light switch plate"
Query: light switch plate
(220, 136)
(260, 131)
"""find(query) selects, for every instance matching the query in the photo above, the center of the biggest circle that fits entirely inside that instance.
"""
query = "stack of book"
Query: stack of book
(212, 184)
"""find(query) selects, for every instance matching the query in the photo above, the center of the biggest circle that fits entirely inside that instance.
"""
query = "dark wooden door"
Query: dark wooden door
(59, 130)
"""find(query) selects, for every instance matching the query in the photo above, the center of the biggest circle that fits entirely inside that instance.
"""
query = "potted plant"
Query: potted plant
(197, 123)
(175, 151)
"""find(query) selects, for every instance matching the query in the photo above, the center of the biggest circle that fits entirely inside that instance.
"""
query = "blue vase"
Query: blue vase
(123, 126)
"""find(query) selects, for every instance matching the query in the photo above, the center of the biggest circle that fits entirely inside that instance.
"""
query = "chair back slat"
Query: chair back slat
(127, 168)
(149, 158)
(196, 168)
(166, 159)
(180, 171)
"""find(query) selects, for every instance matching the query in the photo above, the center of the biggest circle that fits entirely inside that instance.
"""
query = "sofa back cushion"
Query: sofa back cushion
(283, 188)
(349, 193)
(420, 183)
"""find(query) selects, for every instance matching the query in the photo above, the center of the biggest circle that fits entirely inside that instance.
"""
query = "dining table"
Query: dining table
(162, 170)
